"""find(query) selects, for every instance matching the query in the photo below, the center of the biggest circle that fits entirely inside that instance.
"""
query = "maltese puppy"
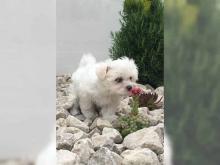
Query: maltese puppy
(99, 87)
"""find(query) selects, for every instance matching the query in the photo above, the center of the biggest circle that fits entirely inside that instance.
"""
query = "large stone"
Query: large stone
(149, 87)
(139, 156)
(105, 157)
(95, 130)
(113, 134)
(154, 120)
(66, 101)
(154, 117)
(159, 129)
(144, 112)
(61, 113)
(100, 124)
(160, 90)
(67, 136)
(65, 157)
(118, 148)
(161, 159)
(102, 141)
(65, 141)
(16, 162)
(61, 122)
(144, 138)
(157, 112)
(84, 149)
(71, 130)
(74, 122)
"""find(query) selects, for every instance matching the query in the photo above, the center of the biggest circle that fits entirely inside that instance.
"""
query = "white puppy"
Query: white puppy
(99, 87)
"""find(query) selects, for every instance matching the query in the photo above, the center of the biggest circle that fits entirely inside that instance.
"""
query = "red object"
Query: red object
(136, 90)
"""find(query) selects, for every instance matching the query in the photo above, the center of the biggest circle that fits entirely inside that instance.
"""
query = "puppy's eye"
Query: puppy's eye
(130, 78)
(119, 79)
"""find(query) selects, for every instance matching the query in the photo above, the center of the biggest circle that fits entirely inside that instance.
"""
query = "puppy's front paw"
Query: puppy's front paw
(74, 111)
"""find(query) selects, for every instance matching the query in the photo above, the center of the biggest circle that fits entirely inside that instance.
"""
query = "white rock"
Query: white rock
(159, 129)
(144, 138)
(144, 112)
(15, 162)
(74, 122)
(149, 87)
(66, 101)
(160, 90)
(67, 136)
(113, 134)
(95, 130)
(61, 113)
(61, 122)
(154, 120)
(65, 157)
(139, 156)
(105, 157)
(118, 148)
(78, 134)
(154, 117)
(100, 124)
(161, 158)
(95, 134)
(84, 149)
(157, 112)
(71, 130)
(65, 141)
(102, 141)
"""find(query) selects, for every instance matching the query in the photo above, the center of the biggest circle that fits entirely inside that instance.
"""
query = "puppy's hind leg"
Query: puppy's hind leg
(87, 109)
(75, 109)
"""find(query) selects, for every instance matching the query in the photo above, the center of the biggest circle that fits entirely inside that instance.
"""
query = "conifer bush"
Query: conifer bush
(141, 38)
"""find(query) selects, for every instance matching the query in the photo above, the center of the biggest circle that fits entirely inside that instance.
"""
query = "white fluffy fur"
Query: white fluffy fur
(95, 86)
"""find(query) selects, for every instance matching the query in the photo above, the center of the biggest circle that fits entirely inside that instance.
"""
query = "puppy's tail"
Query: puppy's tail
(87, 59)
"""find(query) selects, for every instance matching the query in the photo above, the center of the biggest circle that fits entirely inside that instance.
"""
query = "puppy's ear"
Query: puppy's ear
(102, 70)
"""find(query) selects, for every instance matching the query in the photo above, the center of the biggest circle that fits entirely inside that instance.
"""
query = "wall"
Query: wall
(84, 26)
(27, 82)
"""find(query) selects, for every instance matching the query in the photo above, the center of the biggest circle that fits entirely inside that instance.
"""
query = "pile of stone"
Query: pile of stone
(100, 143)
(16, 162)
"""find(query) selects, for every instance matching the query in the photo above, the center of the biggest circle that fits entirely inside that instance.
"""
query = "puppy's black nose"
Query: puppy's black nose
(129, 87)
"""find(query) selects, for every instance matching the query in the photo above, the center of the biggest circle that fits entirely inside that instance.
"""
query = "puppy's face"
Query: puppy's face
(118, 76)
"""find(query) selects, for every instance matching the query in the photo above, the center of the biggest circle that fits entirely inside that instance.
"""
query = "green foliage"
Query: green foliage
(135, 105)
(141, 38)
(132, 122)
(192, 65)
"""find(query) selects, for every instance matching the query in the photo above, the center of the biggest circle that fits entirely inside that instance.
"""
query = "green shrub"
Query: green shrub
(132, 122)
(141, 38)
